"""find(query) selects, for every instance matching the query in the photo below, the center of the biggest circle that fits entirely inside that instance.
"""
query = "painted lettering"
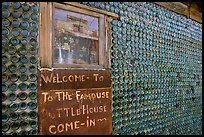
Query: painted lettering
(67, 111)
(83, 78)
(71, 78)
(103, 94)
(44, 96)
(58, 110)
(76, 124)
(98, 95)
(50, 129)
(60, 128)
(58, 80)
(86, 96)
(104, 109)
(77, 94)
(68, 126)
(72, 112)
(63, 79)
(53, 129)
(95, 109)
(50, 98)
(107, 94)
(85, 109)
(65, 96)
(96, 77)
(58, 93)
(78, 111)
(47, 79)
(91, 110)
(77, 78)
(54, 79)
(91, 96)
(101, 109)
(101, 78)
(90, 122)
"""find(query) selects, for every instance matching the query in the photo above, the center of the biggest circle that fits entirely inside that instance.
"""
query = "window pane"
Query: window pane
(76, 38)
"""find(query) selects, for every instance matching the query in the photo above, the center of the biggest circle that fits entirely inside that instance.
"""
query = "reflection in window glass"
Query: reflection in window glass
(75, 38)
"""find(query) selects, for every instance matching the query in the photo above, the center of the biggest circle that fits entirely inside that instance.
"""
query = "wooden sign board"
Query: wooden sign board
(79, 106)
(74, 79)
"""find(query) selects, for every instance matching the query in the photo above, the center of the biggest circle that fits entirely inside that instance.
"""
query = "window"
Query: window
(72, 36)
(76, 38)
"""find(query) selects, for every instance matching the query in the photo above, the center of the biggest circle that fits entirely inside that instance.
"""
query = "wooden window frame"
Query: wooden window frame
(47, 31)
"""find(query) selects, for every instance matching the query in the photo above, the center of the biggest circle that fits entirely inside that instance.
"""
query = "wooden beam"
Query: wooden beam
(76, 4)
(45, 37)
(186, 8)
(177, 7)
(187, 3)
(195, 14)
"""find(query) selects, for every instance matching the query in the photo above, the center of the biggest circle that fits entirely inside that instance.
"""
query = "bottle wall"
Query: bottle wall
(156, 70)
(19, 67)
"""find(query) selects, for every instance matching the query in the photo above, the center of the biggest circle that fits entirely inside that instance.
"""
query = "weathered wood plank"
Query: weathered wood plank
(177, 7)
(76, 4)
(75, 102)
(195, 14)
(45, 58)
(189, 10)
